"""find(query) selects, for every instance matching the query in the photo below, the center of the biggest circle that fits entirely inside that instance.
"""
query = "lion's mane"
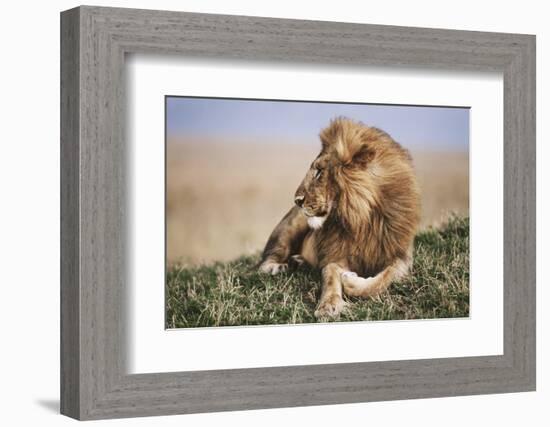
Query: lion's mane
(376, 208)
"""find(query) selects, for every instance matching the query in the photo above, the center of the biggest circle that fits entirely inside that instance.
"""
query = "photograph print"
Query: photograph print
(292, 212)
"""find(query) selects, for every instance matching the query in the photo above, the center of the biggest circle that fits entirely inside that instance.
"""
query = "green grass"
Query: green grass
(235, 293)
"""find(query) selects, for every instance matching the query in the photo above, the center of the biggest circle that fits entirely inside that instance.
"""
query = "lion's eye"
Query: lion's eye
(318, 173)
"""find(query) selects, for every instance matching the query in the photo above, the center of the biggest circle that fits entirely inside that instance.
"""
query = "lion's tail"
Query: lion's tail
(371, 286)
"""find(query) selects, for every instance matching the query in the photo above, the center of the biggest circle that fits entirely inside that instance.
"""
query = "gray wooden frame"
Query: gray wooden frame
(94, 41)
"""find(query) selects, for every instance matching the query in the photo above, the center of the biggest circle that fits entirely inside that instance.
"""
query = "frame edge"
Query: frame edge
(70, 395)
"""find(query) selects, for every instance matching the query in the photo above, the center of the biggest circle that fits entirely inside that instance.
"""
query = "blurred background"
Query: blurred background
(233, 166)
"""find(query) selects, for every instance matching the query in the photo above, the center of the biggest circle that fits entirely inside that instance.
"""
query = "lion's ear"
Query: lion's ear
(362, 156)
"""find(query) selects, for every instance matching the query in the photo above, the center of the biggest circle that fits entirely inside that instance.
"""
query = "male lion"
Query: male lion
(355, 217)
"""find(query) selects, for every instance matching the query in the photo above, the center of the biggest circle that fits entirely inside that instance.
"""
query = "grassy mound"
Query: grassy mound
(235, 293)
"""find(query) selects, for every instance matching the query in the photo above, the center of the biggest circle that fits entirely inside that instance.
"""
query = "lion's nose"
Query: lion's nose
(299, 200)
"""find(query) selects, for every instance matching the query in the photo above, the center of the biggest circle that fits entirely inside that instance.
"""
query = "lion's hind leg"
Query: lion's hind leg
(357, 286)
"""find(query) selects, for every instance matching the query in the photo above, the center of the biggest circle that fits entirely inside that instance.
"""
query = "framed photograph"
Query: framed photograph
(235, 167)
(261, 213)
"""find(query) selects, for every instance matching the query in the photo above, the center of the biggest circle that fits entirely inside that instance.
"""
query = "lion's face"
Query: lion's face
(315, 195)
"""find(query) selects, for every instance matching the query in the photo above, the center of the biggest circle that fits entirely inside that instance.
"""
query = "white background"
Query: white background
(29, 218)
(153, 349)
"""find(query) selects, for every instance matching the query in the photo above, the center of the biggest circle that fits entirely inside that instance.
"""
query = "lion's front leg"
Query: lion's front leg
(331, 303)
(285, 240)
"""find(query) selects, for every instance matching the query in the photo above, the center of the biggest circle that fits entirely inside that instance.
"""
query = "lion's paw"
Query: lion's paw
(271, 267)
(330, 308)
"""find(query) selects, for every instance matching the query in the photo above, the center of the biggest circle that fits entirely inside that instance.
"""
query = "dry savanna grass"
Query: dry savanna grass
(235, 293)
(225, 197)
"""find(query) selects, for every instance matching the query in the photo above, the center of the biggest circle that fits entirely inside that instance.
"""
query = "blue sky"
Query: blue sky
(440, 128)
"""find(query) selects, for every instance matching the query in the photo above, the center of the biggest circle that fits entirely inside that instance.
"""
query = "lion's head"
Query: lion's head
(360, 176)
(317, 192)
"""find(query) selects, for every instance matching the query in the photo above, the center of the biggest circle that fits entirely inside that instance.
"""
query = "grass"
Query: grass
(235, 293)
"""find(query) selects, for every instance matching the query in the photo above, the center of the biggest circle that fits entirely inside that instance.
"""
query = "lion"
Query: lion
(355, 216)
